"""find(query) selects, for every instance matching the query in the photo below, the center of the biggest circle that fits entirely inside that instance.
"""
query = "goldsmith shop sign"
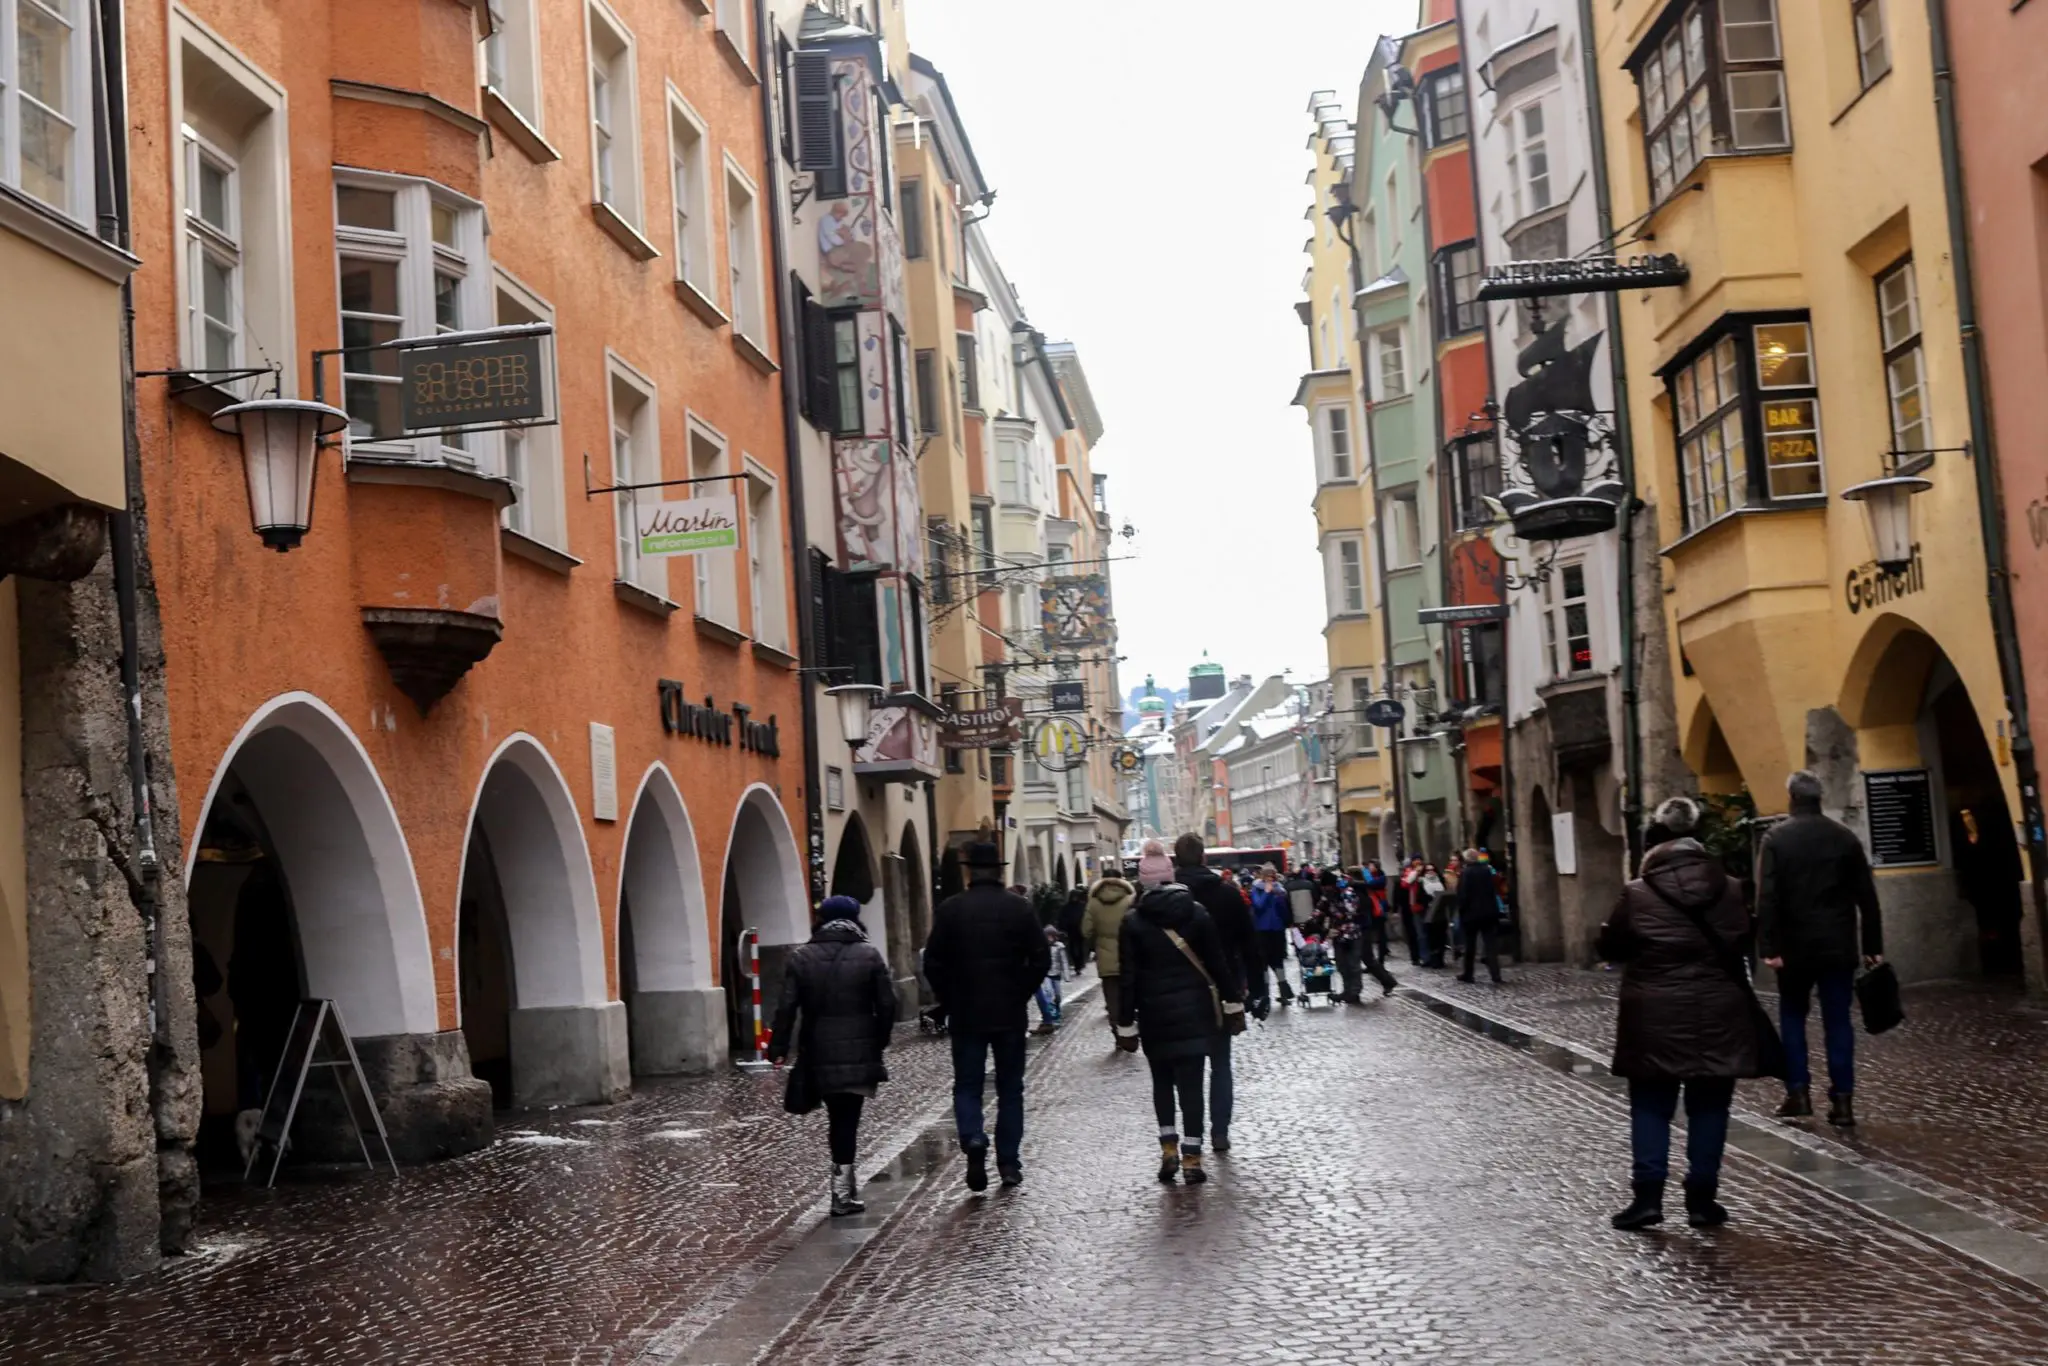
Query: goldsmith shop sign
(472, 384)
(680, 716)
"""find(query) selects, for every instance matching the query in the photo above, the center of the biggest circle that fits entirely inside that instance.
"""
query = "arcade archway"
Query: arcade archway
(674, 1016)
(763, 889)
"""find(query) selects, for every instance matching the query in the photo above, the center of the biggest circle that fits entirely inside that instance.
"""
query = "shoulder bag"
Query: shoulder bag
(1770, 1049)
(1230, 1019)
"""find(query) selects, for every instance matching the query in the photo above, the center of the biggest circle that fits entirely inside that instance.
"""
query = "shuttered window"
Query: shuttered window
(820, 147)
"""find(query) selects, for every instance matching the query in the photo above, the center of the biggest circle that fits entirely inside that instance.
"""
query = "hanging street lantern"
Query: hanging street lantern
(280, 458)
(1888, 510)
(856, 707)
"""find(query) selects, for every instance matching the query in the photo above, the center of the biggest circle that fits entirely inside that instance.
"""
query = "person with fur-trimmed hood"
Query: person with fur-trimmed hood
(1686, 1024)
(838, 986)
(1109, 901)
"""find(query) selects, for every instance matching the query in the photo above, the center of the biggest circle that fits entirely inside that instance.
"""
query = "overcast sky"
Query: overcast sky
(1149, 160)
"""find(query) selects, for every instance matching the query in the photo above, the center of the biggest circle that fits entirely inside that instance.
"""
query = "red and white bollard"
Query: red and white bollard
(750, 942)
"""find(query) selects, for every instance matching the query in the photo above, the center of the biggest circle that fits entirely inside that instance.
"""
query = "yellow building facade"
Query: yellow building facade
(1791, 163)
(1329, 397)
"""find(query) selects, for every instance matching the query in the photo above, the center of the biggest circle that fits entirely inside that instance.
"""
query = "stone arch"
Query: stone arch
(314, 797)
(1536, 879)
(1707, 753)
(1887, 675)
(674, 1023)
(761, 887)
(528, 901)
(853, 868)
(917, 902)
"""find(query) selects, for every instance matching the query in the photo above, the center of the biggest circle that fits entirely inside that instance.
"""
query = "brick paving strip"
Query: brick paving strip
(1567, 1005)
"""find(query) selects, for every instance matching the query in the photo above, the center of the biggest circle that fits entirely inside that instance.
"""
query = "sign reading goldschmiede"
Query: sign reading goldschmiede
(472, 384)
(691, 526)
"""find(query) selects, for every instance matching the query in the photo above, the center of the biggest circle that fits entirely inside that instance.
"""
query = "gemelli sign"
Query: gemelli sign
(690, 527)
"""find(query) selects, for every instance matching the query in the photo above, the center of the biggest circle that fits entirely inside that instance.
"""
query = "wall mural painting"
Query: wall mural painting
(909, 518)
(867, 506)
(848, 246)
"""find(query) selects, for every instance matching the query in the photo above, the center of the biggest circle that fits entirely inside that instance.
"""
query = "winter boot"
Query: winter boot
(846, 1190)
(1169, 1157)
(977, 1168)
(1191, 1167)
(1702, 1210)
(1647, 1209)
(1219, 1141)
(1841, 1110)
(1011, 1173)
(1798, 1104)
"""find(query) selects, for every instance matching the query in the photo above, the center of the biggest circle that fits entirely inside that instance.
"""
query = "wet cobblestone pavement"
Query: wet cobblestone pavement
(1400, 1190)
(1953, 1101)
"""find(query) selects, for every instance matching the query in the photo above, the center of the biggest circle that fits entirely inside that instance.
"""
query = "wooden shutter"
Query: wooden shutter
(927, 392)
(857, 631)
(818, 644)
(818, 144)
(820, 383)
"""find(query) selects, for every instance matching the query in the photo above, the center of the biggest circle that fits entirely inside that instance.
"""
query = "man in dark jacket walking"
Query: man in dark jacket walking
(1240, 945)
(985, 960)
(1479, 914)
(1813, 889)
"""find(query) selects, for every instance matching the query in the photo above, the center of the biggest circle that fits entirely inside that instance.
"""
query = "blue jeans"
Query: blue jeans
(1836, 987)
(1651, 1105)
(1222, 1087)
(970, 1072)
(1049, 1000)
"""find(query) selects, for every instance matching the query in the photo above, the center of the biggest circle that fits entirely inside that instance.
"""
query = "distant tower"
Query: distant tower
(1151, 704)
(1205, 681)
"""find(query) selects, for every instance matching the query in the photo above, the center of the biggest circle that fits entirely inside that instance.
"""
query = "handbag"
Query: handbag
(800, 1093)
(1770, 1049)
(1877, 992)
(1230, 1016)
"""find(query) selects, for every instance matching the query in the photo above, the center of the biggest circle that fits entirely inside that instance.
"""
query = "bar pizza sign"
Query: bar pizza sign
(690, 526)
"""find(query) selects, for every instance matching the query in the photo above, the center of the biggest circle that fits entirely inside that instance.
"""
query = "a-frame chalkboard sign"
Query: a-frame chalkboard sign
(318, 1041)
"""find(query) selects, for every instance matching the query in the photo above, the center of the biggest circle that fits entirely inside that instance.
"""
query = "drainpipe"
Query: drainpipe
(110, 174)
(1624, 441)
(1983, 453)
(793, 464)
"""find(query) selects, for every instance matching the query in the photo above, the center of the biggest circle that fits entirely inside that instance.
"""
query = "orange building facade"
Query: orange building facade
(465, 761)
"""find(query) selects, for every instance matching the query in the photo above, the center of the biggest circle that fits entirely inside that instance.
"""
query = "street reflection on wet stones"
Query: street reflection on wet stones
(1401, 1189)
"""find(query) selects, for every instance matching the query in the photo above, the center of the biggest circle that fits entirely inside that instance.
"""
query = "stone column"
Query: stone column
(570, 1055)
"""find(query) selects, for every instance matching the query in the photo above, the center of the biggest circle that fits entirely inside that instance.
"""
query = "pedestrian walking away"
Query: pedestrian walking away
(1178, 993)
(1109, 901)
(838, 1006)
(1687, 1024)
(1232, 917)
(1049, 991)
(1272, 915)
(1440, 893)
(1479, 914)
(1815, 900)
(1071, 915)
(1155, 869)
(985, 960)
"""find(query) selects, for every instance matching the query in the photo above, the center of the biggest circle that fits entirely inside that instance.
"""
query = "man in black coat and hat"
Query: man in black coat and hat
(1814, 893)
(985, 960)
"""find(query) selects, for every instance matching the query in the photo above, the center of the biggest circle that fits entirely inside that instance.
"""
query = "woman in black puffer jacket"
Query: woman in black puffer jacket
(1177, 988)
(839, 985)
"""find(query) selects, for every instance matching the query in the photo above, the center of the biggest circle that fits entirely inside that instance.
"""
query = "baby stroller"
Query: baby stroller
(932, 1019)
(1318, 972)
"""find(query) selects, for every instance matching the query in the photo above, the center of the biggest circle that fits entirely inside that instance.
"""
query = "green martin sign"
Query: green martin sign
(693, 526)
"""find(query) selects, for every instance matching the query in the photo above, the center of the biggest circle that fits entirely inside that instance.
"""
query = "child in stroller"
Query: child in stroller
(1318, 970)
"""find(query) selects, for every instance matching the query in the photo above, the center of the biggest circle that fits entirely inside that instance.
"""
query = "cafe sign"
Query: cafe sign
(486, 382)
(690, 526)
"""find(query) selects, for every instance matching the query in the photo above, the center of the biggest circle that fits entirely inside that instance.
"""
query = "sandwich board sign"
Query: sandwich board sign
(318, 1043)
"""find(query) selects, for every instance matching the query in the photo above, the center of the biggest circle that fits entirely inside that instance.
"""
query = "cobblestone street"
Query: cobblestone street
(1401, 1189)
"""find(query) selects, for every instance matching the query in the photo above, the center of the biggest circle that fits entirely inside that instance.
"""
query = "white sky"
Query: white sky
(1149, 160)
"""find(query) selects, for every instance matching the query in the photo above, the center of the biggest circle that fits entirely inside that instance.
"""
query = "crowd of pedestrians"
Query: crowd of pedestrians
(1187, 953)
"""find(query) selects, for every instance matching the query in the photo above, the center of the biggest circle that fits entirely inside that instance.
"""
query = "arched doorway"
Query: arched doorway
(675, 1016)
(540, 1020)
(1536, 884)
(300, 885)
(917, 918)
(763, 889)
(853, 870)
(1911, 712)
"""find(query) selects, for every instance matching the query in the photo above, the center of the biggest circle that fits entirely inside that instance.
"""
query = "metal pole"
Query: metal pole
(751, 940)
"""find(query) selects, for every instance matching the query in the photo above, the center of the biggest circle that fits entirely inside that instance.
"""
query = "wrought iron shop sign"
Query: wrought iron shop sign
(680, 716)
(1074, 610)
(1583, 275)
(1384, 712)
(1463, 615)
(472, 384)
(1070, 696)
(1560, 473)
(984, 728)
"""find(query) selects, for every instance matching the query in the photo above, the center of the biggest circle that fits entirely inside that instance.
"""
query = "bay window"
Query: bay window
(1712, 80)
(46, 103)
(1475, 472)
(1345, 564)
(1529, 160)
(1873, 52)
(1365, 737)
(1905, 365)
(1457, 290)
(1389, 363)
(1443, 105)
(849, 419)
(1745, 404)
(1333, 444)
(1567, 624)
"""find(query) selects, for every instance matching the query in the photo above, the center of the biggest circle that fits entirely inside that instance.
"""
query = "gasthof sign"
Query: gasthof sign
(473, 384)
(692, 526)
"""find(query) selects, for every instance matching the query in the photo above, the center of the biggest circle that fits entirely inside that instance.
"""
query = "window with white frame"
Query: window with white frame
(767, 598)
(743, 254)
(1403, 531)
(1346, 555)
(1528, 145)
(532, 456)
(1077, 788)
(1365, 737)
(636, 459)
(717, 579)
(730, 19)
(690, 191)
(46, 103)
(1873, 52)
(411, 264)
(231, 183)
(1905, 364)
(1333, 429)
(614, 116)
(1567, 622)
(1389, 362)
(512, 57)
